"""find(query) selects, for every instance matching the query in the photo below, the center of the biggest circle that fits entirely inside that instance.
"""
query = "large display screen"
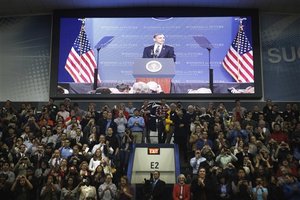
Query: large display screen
(110, 53)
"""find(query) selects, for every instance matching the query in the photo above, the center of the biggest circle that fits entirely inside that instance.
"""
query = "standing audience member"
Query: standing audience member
(87, 191)
(49, 150)
(203, 188)
(181, 190)
(108, 189)
(196, 162)
(21, 188)
(125, 191)
(136, 124)
(158, 187)
(50, 190)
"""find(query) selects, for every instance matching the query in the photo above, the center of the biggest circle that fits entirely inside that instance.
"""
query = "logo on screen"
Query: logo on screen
(153, 66)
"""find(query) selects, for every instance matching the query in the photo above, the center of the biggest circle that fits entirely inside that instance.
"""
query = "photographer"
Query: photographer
(22, 165)
(259, 192)
(50, 190)
(225, 157)
(69, 191)
(21, 188)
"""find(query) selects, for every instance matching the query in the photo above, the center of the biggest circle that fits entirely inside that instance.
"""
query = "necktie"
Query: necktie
(157, 51)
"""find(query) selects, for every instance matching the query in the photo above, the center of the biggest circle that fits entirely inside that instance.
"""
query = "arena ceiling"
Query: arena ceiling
(32, 7)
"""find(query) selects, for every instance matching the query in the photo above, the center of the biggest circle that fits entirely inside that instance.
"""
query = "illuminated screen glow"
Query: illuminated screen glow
(130, 35)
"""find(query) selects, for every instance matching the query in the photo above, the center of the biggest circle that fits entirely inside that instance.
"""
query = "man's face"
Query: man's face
(110, 131)
(197, 154)
(160, 39)
(155, 175)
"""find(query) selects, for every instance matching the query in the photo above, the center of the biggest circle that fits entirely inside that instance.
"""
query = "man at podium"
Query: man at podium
(159, 49)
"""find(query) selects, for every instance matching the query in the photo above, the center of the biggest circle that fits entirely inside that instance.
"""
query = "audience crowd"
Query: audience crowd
(67, 152)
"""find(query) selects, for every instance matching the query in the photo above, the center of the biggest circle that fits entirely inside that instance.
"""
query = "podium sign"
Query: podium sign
(159, 70)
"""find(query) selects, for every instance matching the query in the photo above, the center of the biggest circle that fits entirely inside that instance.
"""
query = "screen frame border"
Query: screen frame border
(134, 12)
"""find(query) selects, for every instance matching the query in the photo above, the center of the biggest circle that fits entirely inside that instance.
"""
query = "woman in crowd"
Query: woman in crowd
(50, 190)
(95, 161)
(69, 191)
(21, 188)
(125, 191)
(181, 190)
(98, 177)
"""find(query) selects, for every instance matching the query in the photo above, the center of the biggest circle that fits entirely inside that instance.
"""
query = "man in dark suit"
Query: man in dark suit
(245, 153)
(159, 49)
(158, 187)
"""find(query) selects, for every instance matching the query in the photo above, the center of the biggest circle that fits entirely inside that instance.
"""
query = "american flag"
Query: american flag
(238, 61)
(81, 62)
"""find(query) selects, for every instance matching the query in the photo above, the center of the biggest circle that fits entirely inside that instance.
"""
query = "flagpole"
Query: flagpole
(238, 46)
(80, 44)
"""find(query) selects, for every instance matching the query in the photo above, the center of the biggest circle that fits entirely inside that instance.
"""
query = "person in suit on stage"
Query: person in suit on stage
(159, 49)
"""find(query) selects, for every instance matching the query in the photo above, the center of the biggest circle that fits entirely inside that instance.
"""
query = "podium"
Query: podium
(159, 70)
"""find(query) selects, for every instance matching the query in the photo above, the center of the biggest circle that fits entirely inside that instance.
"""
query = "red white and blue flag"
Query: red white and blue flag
(81, 62)
(238, 61)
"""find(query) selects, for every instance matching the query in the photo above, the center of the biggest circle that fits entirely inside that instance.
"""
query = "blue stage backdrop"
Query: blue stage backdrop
(131, 35)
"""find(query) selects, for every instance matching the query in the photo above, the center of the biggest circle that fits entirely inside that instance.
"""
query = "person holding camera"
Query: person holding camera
(51, 189)
(225, 157)
(196, 161)
(259, 192)
(21, 188)
(22, 165)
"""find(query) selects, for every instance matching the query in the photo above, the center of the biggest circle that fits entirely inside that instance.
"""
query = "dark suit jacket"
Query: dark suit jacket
(240, 156)
(166, 52)
(158, 192)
